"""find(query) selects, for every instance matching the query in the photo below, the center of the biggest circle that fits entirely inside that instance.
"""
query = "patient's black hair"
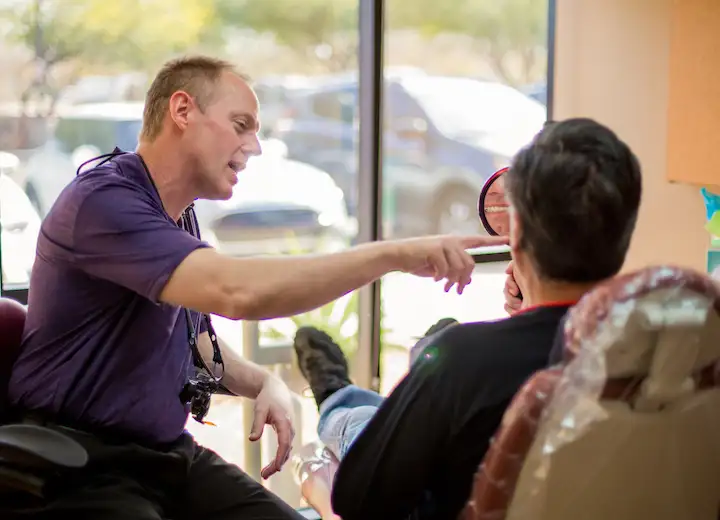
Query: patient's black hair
(576, 190)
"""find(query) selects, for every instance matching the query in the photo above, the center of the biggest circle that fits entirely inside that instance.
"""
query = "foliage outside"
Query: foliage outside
(339, 319)
(77, 36)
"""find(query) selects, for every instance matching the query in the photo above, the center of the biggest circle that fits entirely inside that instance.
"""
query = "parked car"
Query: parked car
(22, 132)
(20, 226)
(273, 93)
(443, 137)
(278, 206)
(80, 133)
(277, 202)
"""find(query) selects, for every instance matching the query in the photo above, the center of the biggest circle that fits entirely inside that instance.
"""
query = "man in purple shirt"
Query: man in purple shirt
(105, 349)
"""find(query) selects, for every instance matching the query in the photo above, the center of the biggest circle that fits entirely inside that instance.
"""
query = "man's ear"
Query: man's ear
(179, 108)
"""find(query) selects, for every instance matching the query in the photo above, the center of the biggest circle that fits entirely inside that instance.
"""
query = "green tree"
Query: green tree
(130, 34)
(339, 319)
(511, 30)
(324, 30)
(512, 33)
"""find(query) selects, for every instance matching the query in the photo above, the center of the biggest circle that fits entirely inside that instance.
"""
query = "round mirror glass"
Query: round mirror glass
(493, 206)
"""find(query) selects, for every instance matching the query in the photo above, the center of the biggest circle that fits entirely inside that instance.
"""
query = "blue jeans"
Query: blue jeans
(344, 415)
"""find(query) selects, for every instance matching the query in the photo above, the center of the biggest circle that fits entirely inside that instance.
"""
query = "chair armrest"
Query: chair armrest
(29, 453)
(38, 446)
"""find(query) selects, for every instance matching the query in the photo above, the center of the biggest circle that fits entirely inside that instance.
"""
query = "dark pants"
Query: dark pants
(131, 482)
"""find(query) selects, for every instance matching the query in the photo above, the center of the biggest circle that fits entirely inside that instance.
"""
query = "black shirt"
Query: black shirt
(431, 433)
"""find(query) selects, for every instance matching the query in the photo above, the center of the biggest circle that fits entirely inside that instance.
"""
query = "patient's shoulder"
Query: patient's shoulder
(526, 336)
(485, 363)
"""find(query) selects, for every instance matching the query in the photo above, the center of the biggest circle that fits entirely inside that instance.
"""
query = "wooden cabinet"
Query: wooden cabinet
(693, 150)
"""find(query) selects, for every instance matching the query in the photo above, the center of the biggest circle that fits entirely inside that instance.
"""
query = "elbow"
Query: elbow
(241, 304)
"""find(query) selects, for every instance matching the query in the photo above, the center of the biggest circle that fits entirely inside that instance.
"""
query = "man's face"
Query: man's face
(222, 138)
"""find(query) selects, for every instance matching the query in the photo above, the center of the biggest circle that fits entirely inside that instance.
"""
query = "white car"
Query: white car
(80, 133)
(20, 226)
(278, 206)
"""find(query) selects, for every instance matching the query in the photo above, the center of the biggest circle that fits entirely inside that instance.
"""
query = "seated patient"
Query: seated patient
(574, 194)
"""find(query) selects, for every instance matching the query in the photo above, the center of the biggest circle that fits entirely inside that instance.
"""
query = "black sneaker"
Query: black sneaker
(321, 362)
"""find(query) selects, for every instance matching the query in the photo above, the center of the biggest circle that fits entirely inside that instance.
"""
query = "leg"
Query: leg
(344, 415)
(97, 497)
(217, 490)
(120, 482)
(345, 409)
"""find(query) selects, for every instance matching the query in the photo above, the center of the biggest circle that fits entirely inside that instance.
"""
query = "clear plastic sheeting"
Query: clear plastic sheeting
(659, 335)
(628, 427)
(314, 466)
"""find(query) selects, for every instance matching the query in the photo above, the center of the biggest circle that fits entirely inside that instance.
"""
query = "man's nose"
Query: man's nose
(252, 147)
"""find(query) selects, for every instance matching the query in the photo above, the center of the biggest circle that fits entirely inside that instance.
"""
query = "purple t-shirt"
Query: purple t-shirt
(99, 350)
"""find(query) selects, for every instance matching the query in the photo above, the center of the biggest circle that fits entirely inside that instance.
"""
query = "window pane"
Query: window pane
(464, 91)
(78, 91)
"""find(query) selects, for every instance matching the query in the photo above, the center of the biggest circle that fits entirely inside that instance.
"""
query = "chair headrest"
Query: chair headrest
(660, 324)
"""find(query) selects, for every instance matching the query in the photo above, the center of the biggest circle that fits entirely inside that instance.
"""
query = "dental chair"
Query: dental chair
(627, 427)
(29, 454)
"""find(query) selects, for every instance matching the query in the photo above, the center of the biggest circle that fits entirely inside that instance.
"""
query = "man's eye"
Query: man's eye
(240, 127)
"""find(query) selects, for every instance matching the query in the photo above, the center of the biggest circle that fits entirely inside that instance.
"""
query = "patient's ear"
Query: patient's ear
(515, 231)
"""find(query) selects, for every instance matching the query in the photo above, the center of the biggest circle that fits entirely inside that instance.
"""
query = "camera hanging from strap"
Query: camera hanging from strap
(205, 382)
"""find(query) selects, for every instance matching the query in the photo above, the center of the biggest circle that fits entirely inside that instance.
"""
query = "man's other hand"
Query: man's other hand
(444, 257)
(274, 406)
(513, 301)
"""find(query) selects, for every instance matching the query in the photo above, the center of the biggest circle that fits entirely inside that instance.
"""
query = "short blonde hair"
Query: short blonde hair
(196, 75)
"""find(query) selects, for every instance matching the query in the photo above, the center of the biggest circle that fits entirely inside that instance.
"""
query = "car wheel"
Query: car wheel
(456, 213)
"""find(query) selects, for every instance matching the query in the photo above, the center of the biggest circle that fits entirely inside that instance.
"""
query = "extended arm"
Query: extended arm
(265, 288)
(139, 248)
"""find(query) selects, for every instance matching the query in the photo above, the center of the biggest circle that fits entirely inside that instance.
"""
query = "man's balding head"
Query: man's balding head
(198, 76)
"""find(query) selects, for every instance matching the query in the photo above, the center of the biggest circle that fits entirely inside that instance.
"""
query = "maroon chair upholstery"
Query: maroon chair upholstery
(12, 322)
(629, 426)
(29, 453)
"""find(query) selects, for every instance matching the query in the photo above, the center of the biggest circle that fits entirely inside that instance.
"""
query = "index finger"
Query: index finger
(285, 437)
(471, 242)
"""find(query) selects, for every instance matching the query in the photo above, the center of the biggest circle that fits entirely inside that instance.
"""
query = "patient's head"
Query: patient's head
(574, 194)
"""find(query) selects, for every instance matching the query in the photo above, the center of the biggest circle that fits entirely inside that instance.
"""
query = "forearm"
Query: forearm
(285, 286)
(242, 377)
